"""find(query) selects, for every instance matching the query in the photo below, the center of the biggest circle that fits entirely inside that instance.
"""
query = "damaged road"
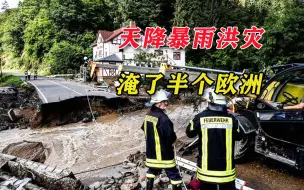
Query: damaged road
(59, 102)
(56, 90)
(113, 138)
(81, 145)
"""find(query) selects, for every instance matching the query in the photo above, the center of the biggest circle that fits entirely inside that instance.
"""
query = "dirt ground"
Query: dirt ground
(85, 146)
(270, 175)
(24, 102)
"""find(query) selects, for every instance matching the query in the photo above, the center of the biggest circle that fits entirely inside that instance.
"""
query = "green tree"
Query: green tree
(11, 37)
(29, 9)
(39, 37)
(68, 15)
(97, 15)
(148, 13)
(63, 56)
(284, 38)
(218, 13)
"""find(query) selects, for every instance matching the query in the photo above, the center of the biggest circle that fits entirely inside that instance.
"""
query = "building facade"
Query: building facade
(106, 51)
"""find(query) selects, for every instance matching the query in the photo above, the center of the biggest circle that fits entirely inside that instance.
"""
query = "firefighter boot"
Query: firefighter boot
(177, 187)
(150, 183)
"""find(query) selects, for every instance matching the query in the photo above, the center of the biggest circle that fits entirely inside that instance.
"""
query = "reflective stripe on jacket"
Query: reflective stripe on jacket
(160, 136)
(217, 133)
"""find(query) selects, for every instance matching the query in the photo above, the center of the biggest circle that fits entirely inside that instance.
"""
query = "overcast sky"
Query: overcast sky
(11, 3)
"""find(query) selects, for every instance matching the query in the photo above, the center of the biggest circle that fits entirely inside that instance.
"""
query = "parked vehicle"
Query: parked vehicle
(270, 129)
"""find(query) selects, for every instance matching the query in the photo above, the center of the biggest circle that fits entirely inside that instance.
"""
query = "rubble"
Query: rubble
(18, 106)
(24, 174)
(135, 177)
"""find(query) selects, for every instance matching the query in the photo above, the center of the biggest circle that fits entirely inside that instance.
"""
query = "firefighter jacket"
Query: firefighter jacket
(160, 137)
(217, 131)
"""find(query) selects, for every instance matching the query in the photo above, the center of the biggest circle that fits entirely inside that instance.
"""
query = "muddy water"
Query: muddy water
(80, 147)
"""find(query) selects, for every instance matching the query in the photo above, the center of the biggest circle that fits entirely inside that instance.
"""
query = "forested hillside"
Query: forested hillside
(58, 33)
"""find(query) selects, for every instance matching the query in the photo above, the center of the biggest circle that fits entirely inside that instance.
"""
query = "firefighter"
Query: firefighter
(217, 131)
(160, 136)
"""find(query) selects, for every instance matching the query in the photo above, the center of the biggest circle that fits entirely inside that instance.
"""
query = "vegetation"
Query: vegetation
(55, 35)
(10, 80)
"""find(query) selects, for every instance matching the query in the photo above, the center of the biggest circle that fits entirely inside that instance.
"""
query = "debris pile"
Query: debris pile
(18, 106)
(134, 178)
(24, 174)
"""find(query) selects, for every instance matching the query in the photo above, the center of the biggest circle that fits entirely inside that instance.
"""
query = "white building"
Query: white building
(106, 50)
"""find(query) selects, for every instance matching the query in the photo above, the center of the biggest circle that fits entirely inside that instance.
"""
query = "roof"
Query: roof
(110, 58)
(110, 35)
(105, 34)
(114, 34)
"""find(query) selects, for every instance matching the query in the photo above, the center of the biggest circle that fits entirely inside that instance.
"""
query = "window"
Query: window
(100, 53)
(106, 53)
(99, 40)
(123, 57)
(159, 52)
(116, 41)
(176, 55)
(291, 82)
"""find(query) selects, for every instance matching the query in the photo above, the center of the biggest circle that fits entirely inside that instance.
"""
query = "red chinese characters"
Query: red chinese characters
(179, 38)
(203, 37)
(130, 37)
(228, 37)
(154, 37)
(253, 35)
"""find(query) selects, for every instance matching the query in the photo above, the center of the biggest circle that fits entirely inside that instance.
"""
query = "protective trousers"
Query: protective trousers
(209, 186)
(172, 173)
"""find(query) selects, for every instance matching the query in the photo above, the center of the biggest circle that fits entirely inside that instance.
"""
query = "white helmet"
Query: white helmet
(212, 97)
(159, 96)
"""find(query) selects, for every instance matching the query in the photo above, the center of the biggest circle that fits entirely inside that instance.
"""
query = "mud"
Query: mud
(268, 174)
(85, 146)
(83, 109)
(259, 173)
(113, 137)
(23, 102)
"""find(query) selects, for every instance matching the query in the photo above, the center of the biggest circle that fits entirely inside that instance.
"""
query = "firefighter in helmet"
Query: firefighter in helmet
(217, 131)
(160, 136)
